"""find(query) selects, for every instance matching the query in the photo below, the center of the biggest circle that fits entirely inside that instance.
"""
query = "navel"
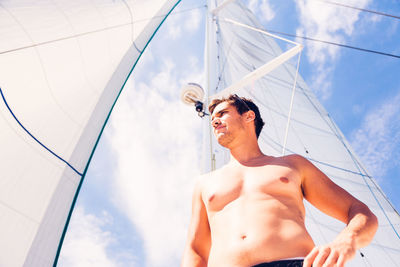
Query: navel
(211, 197)
(284, 180)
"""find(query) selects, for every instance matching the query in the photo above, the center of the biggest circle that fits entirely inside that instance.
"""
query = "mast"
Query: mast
(211, 77)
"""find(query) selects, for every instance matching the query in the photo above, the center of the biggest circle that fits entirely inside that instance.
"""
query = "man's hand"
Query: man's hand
(335, 254)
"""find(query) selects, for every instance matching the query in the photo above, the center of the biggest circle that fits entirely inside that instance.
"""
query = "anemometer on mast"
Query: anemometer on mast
(193, 94)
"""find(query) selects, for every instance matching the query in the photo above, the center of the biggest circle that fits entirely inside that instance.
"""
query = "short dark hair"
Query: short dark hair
(242, 105)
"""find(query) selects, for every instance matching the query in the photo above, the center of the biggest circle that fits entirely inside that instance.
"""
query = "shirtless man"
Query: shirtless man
(251, 212)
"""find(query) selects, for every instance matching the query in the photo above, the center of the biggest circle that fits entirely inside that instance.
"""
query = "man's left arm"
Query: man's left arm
(333, 200)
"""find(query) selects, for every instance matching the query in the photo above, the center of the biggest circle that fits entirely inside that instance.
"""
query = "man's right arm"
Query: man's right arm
(198, 242)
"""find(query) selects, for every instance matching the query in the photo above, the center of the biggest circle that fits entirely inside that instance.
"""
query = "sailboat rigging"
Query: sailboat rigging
(63, 66)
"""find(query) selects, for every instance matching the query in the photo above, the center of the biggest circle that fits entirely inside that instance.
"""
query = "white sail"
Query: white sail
(62, 66)
(312, 132)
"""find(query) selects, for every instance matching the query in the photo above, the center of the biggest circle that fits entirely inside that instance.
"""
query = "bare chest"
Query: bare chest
(263, 182)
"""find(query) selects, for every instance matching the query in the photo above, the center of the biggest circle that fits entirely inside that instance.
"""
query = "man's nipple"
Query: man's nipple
(284, 180)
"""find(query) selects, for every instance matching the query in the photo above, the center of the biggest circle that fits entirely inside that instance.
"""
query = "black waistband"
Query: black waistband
(284, 263)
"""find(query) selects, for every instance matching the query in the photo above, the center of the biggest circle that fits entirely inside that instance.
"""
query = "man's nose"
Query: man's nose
(215, 122)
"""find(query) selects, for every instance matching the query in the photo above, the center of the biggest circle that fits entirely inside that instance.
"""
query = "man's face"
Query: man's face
(226, 121)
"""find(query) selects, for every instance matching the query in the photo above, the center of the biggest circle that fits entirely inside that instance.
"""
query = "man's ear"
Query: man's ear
(250, 116)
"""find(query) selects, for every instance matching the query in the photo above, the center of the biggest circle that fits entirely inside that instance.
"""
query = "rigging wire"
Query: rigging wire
(203, 6)
(337, 44)
(360, 9)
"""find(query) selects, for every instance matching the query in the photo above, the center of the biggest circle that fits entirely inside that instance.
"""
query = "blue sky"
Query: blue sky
(134, 205)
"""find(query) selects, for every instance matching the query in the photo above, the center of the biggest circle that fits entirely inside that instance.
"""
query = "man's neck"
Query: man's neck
(246, 152)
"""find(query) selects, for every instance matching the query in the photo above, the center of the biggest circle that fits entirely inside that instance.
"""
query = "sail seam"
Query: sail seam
(64, 38)
(89, 32)
(40, 59)
(70, 37)
(34, 138)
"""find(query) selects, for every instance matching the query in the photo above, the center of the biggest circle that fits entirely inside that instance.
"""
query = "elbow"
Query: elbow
(363, 222)
(192, 257)
(372, 221)
(371, 226)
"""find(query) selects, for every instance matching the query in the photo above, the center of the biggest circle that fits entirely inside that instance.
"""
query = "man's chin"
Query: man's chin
(223, 140)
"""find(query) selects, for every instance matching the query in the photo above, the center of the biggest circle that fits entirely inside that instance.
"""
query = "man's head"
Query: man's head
(242, 105)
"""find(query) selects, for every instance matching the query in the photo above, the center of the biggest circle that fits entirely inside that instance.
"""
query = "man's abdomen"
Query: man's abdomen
(250, 231)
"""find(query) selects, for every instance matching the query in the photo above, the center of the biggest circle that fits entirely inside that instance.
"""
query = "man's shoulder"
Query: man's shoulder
(295, 161)
(302, 165)
(292, 159)
(204, 181)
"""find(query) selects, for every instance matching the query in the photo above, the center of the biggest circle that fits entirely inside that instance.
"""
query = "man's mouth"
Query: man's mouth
(219, 127)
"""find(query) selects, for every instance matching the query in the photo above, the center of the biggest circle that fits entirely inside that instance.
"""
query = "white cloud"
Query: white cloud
(156, 142)
(193, 21)
(263, 8)
(326, 22)
(375, 18)
(180, 23)
(321, 83)
(378, 138)
(174, 25)
(86, 242)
